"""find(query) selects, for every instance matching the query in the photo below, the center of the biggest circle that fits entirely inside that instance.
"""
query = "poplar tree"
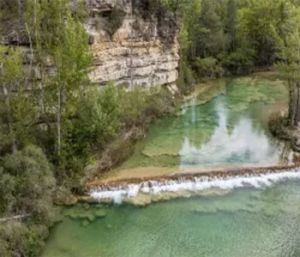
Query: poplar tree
(231, 25)
(61, 45)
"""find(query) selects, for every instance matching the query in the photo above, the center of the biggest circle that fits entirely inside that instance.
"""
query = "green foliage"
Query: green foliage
(234, 35)
(29, 180)
(61, 41)
(288, 64)
(260, 22)
(211, 38)
(97, 121)
(102, 115)
(16, 108)
(209, 67)
(241, 61)
(138, 105)
(26, 187)
(27, 117)
(11, 65)
(17, 239)
(45, 20)
(72, 121)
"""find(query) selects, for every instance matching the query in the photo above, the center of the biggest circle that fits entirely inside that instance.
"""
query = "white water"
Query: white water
(118, 194)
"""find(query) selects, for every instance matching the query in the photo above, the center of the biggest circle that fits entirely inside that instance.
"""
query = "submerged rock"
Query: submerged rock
(85, 223)
(100, 213)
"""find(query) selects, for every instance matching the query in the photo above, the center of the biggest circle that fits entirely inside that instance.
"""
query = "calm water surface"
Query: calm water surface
(227, 128)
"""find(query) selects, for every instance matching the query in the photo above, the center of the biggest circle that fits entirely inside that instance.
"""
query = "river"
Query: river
(224, 127)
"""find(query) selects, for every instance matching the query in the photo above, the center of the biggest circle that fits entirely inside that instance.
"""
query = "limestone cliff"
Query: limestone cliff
(133, 41)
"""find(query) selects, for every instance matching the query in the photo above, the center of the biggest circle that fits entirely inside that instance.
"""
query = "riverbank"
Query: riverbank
(289, 134)
(189, 175)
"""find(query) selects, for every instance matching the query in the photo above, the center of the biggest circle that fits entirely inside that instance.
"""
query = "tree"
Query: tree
(61, 42)
(72, 61)
(11, 74)
(260, 22)
(231, 25)
(289, 64)
(211, 38)
(26, 188)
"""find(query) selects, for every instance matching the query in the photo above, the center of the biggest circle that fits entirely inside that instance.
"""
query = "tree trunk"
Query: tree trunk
(58, 122)
(9, 119)
(292, 104)
(131, 48)
(21, 10)
(297, 116)
(17, 217)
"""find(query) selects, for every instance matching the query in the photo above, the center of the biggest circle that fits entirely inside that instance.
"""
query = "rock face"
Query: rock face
(134, 43)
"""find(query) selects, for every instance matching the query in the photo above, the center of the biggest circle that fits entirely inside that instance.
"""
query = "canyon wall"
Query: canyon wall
(134, 42)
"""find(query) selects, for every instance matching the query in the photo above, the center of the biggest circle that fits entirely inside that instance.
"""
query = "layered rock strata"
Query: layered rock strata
(134, 43)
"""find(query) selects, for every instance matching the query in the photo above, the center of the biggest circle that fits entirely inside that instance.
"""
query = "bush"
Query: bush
(186, 78)
(139, 105)
(103, 114)
(27, 181)
(239, 62)
(26, 187)
(96, 122)
(209, 67)
(19, 239)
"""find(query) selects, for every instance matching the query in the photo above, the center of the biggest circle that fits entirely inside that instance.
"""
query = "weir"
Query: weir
(117, 191)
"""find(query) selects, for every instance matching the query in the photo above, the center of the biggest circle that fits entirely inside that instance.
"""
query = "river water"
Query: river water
(227, 127)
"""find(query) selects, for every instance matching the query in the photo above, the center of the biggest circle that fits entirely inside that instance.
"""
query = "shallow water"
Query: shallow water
(239, 217)
(245, 222)
(226, 128)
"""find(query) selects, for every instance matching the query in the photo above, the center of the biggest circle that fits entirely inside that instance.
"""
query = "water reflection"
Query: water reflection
(241, 142)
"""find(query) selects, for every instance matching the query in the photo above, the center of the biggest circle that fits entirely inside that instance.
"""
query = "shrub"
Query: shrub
(239, 62)
(96, 122)
(186, 78)
(209, 67)
(26, 187)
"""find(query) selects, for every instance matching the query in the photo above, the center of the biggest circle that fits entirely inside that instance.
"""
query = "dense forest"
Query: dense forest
(54, 121)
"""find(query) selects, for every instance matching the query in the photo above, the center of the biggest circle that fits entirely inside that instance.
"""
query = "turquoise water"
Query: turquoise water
(225, 128)
(241, 223)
